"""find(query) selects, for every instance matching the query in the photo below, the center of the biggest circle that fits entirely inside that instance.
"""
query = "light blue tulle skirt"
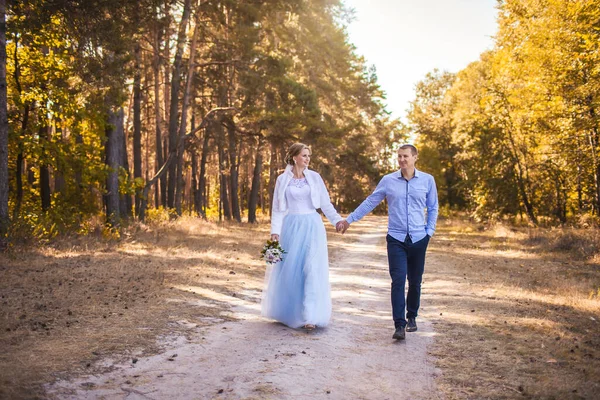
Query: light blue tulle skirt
(297, 290)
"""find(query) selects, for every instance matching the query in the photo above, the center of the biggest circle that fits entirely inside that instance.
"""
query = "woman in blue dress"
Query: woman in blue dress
(297, 291)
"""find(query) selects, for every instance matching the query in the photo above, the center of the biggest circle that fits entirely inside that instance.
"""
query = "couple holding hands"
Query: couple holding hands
(297, 291)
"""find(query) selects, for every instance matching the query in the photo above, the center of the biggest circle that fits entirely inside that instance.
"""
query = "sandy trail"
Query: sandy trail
(355, 357)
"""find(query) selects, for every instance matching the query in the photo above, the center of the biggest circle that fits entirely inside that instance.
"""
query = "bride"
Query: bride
(297, 291)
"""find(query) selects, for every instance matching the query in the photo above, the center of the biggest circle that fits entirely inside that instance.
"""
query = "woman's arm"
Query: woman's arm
(326, 206)
(276, 214)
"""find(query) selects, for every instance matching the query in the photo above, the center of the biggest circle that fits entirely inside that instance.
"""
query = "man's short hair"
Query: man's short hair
(412, 148)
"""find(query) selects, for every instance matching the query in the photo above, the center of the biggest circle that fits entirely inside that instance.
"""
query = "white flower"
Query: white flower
(272, 252)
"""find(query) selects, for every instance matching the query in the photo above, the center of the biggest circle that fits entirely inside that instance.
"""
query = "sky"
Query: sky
(406, 39)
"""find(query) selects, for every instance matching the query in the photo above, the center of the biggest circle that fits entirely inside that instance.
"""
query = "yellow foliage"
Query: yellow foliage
(111, 233)
(158, 215)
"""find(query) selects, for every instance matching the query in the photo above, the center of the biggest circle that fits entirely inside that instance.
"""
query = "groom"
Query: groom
(408, 192)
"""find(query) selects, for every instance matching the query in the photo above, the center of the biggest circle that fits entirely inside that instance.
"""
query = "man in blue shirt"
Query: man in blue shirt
(408, 193)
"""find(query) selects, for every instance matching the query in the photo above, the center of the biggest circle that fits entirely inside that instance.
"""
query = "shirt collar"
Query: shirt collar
(417, 173)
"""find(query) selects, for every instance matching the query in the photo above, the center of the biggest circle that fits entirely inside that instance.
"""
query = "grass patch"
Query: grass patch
(515, 317)
(68, 305)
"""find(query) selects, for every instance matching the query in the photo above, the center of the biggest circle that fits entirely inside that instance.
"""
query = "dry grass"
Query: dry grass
(67, 306)
(516, 316)
(512, 320)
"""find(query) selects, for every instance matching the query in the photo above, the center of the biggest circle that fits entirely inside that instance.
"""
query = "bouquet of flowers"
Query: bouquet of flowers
(272, 252)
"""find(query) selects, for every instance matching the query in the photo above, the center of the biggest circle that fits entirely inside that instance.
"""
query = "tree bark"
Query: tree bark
(4, 219)
(593, 140)
(166, 71)
(20, 162)
(272, 174)
(113, 161)
(125, 198)
(24, 123)
(561, 199)
(529, 211)
(253, 200)
(203, 160)
(137, 123)
(79, 169)
(59, 179)
(161, 189)
(184, 109)
(233, 171)
(195, 192)
(174, 106)
(222, 173)
(44, 136)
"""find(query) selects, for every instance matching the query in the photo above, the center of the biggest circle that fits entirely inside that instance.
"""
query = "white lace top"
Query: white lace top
(297, 195)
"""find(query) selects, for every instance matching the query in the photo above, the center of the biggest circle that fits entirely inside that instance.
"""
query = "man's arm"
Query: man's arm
(364, 208)
(432, 208)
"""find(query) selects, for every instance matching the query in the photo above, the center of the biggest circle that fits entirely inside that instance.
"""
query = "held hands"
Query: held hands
(342, 226)
(275, 237)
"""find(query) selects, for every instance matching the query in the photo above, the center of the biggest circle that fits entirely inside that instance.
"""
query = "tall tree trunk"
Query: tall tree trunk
(160, 197)
(195, 200)
(579, 186)
(222, 174)
(233, 171)
(184, 109)
(272, 175)
(262, 197)
(593, 141)
(30, 175)
(24, 123)
(4, 220)
(59, 179)
(20, 162)
(561, 200)
(521, 185)
(113, 161)
(44, 135)
(243, 186)
(194, 192)
(19, 181)
(147, 133)
(253, 200)
(126, 207)
(166, 70)
(165, 176)
(174, 106)
(203, 160)
(137, 124)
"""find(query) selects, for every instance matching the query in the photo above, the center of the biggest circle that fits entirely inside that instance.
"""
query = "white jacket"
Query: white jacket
(319, 197)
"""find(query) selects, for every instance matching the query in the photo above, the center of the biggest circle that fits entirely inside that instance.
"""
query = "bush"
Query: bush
(581, 243)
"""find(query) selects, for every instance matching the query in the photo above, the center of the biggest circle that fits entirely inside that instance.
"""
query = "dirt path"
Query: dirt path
(251, 358)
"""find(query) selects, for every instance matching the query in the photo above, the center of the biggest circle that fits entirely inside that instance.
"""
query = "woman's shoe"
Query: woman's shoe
(309, 327)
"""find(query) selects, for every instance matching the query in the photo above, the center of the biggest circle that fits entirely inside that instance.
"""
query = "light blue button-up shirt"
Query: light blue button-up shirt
(407, 201)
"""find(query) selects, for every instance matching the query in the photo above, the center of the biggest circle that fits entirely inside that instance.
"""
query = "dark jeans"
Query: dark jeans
(406, 259)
